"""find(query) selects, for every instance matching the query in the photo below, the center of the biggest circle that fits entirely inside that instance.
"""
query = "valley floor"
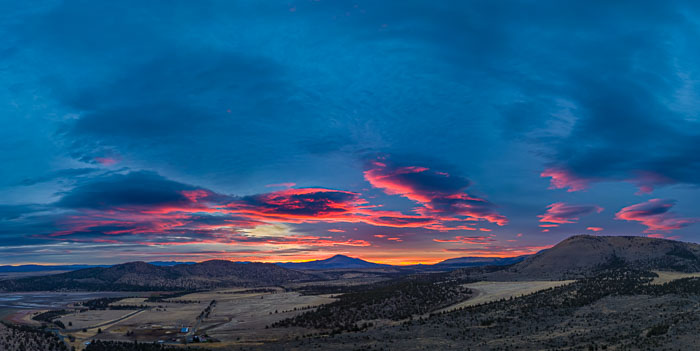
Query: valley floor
(618, 310)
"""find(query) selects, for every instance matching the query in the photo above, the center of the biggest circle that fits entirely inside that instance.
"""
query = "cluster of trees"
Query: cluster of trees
(105, 303)
(25, 338)
(181, 301)
(395, 300)
(207, 311)
(49, 316)
(167, 297)
(98, 345)
(250, 291)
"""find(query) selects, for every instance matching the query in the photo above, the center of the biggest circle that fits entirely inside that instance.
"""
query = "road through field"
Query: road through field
(107, 323)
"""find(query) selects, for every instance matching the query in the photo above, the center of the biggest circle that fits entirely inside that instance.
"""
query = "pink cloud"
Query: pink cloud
(106, 161)
(563, 179)
(595, 229)
(655, 215)
(562, 213)
(662, 236)
(441, 195)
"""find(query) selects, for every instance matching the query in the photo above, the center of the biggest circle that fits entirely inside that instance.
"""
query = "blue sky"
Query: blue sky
(396, 132)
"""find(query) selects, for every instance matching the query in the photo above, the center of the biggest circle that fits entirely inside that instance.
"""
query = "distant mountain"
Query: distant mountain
(345, 262)
(335, 262)
(136, 276)
(42, 268)
(72, 267)
(583, 254)
(479, 261)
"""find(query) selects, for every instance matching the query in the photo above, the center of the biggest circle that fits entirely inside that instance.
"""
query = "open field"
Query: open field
(238, 316)
(494, 291)
(245, 317)
(80, 320)
(666, 276)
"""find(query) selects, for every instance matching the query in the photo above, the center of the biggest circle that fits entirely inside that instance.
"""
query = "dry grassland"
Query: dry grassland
(493, 291)
(665, 277)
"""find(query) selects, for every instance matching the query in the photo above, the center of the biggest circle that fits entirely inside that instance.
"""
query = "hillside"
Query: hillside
(583, 255)
(479, 261)
(145, 276)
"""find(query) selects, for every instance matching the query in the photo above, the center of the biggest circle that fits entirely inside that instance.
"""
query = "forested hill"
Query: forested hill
(144, 276)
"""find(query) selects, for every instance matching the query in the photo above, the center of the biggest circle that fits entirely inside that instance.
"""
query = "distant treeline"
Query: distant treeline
(49, 316)
(168, 296)
(98, 345)
(105, 303)
(249, 291)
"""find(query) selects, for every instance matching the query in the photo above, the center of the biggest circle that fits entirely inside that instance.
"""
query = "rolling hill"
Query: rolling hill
(136, 276)
(582, 255)
(479, 261)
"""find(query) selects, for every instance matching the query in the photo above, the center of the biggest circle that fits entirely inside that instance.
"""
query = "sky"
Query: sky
(397, 132)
